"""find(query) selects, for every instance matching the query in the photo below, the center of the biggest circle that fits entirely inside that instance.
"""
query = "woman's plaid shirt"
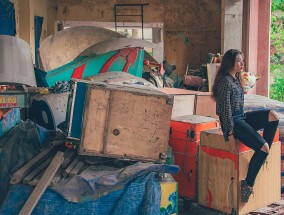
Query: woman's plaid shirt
(229, 99)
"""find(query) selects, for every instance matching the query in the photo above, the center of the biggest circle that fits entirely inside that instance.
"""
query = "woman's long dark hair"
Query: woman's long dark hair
(228, 62)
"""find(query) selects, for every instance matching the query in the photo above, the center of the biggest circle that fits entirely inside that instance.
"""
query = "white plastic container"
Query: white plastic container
(16, 65)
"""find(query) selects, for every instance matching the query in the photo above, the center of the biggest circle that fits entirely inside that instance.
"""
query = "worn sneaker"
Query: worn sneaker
(245, 191)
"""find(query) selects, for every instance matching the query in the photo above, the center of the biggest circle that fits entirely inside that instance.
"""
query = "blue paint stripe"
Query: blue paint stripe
(78, 110)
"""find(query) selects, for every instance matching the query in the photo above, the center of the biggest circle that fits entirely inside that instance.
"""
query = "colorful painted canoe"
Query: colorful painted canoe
(126, 60)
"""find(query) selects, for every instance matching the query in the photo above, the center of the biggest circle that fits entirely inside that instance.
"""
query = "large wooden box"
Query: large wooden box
(189, 102)
(119, 120)
(185, 140)
(222, 165)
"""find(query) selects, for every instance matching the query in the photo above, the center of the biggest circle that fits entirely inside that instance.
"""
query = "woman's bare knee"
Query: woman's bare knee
(265, 148)
(273, 116)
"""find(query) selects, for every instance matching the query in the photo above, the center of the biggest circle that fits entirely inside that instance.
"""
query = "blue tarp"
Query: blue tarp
(17, 147)
(138, 193)
(141, 196)
(38, 20)
(99, 189)
(96, 181)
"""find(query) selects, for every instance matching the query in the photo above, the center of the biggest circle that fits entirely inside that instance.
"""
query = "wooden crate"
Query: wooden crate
(222, 165)
(205, 105)
(189, 102)
(121, 121)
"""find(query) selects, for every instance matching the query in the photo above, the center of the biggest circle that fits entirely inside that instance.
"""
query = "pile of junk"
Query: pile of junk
(84, 132)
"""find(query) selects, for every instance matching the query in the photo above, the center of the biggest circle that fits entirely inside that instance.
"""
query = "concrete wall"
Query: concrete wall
(232, 17)
(192, 28)
(263, 58)
(25, 21)
(25, 10)
(256, 41)
(40, 9)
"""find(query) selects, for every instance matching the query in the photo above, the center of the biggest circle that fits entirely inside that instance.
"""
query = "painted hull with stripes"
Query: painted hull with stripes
(128, 60)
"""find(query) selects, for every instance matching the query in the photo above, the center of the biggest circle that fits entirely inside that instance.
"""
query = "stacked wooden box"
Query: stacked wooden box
(222, 165)
(188, 102)
(121, 121)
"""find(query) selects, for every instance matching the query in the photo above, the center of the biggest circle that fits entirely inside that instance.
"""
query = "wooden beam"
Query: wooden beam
(37, 170)
(28, 167)
(70, 167)
(77, 169)
(42, 184)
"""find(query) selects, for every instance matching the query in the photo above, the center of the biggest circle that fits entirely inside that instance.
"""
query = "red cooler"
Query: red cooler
(185, 140)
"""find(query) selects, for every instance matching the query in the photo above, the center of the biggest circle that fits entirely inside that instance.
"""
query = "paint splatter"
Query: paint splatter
(221, 154)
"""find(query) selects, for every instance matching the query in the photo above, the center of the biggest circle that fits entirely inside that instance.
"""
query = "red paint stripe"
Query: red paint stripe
(78, 72)
(131, 58)
(107, 65)
(221, 154)
(121, 53)
(209, 198)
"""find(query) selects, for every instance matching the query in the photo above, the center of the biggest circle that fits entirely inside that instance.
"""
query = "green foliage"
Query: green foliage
(277, 50)
(277, 5)
(277, 88)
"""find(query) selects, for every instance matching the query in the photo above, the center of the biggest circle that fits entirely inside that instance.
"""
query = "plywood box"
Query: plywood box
(189, 102)
(222, 165)
(119, 121)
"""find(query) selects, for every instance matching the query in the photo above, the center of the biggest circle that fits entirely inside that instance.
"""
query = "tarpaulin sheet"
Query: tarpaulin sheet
(7, 18)
(17, 147)
(96, 181)
(140, 196)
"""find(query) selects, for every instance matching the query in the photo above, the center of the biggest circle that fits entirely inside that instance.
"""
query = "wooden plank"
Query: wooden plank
(37, 178)
(213, 138)
(183, 105)
(28, 167)
(67, 160)
(35, 172)
(94, 122)
(269, 175)
(138, 126)
(126, 124)
(79, 166)
(57, 177)
(215, 189)
(70, 167)
(218, 166)
(205, 105)
(42, 184)
(176, 91)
